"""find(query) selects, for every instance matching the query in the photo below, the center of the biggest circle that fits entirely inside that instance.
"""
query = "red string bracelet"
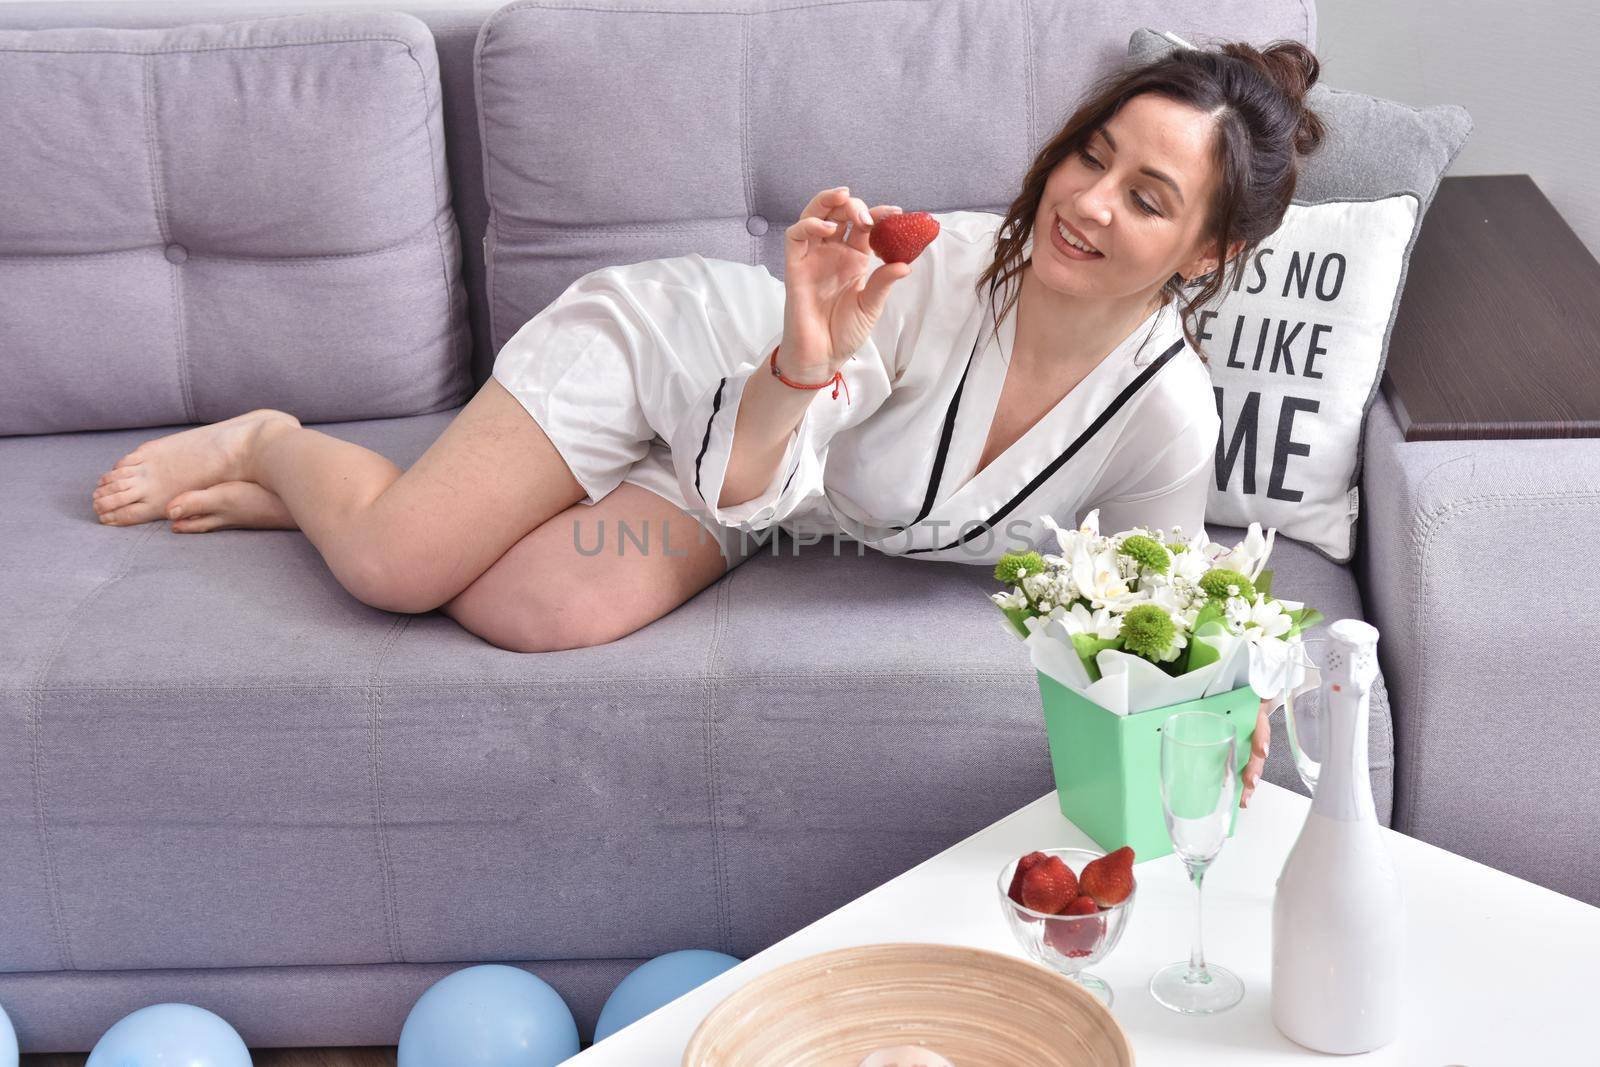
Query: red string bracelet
(836, 381)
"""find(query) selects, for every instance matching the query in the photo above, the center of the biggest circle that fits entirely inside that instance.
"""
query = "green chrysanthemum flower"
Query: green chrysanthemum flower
(1147, 630)
(1179, 547)
(1216, 581)
(1148, 552)
(1013, 565)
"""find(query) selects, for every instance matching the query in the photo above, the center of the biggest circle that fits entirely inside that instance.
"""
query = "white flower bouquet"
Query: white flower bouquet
(1145, 619)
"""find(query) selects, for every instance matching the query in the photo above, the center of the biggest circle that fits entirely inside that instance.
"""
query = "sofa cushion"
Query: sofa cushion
(721, 162)
(217, 217)
(211, 755)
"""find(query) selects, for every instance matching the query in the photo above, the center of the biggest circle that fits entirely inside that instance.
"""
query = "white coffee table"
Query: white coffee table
(1499, 970)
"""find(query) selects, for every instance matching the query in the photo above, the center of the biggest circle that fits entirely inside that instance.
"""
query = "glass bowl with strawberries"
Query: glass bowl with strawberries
(1067, 908)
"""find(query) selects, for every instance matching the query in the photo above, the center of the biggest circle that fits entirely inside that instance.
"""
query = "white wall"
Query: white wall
(1525, 70)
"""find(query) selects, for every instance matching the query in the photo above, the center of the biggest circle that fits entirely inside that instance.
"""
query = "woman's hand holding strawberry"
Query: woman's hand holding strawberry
(833, 296)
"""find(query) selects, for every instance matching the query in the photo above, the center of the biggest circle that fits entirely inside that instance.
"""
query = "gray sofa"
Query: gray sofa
(225, 781)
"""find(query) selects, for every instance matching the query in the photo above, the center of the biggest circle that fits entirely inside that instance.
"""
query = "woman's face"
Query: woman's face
(1136, 194)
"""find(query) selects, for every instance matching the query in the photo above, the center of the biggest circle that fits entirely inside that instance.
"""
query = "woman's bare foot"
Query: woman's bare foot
(141, 485)
(230, 506)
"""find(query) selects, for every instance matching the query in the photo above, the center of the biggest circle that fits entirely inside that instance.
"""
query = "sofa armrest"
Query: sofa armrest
(1477, 565)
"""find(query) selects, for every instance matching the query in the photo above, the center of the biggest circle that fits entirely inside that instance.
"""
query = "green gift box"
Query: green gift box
(1108, 766)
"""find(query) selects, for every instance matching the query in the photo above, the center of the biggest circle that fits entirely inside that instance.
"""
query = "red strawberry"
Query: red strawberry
(1024, 865)
(1049, 885)
(1082, 904)
(1109, 879)
(1078, 937)
(901, 238)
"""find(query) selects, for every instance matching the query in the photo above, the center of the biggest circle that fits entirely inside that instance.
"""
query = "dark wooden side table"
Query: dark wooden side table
(1498, 330)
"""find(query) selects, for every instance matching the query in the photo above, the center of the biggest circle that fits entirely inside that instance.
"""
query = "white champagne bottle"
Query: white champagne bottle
(1338, 926)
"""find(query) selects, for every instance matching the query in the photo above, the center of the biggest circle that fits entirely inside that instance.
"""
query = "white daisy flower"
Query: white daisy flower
(1101, 622)
(1263, 620)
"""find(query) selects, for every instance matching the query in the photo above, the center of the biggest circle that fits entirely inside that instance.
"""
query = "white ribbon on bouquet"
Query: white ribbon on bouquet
(1129, 684)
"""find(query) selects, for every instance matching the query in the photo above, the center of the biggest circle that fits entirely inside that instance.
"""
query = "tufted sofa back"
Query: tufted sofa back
(211, 218)
(619, 130)
(629, 130)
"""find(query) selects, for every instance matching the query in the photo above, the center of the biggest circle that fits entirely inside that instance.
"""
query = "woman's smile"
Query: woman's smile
(1068, 250)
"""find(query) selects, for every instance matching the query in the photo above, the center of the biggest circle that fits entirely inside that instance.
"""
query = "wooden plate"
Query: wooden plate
(973, 1007)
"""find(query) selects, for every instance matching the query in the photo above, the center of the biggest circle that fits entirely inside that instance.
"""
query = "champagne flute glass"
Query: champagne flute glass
(1199, 788)
(1305, 706)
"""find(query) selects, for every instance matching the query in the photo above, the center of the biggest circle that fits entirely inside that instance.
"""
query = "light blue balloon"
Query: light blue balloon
(170, 1035)
(8, 1042)
(491, 1015)
(657, 982)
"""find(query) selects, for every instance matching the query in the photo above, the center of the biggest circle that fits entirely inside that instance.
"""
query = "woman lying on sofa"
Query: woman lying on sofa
(898, 406)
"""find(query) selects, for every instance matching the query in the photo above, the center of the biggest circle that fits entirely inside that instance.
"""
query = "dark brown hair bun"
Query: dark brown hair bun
(1293, 68)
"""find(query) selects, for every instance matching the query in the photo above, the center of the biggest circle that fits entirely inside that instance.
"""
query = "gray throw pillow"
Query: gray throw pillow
(217, 217)
(1297, 351)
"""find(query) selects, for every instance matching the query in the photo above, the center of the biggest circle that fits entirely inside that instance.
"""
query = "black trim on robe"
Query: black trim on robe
(944, 445)
(1072, 449)
(705, 442)
(948, 431)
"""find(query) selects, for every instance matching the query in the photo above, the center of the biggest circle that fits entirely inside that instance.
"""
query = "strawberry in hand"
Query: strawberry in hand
(832, 295)
(901, 238)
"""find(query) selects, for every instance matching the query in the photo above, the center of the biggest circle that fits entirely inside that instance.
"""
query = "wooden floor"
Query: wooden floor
(273, 1057)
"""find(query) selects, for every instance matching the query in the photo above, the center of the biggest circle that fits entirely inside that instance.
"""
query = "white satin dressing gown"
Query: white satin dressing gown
(636, 372)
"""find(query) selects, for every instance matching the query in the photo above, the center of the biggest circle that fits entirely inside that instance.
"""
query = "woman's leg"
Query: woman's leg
(523, 602)
(402, 541)
(231, 506)
(574, 582)
(139, 486)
